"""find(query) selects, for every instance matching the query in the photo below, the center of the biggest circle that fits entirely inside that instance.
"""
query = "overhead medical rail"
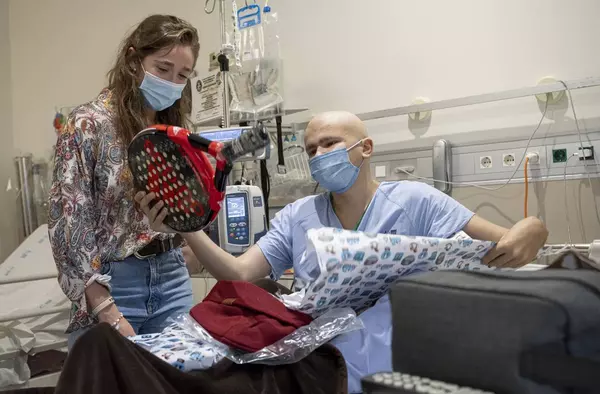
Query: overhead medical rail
(472, 100)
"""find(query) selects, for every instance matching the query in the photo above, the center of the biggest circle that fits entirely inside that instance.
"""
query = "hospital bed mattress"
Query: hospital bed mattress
(34, 335)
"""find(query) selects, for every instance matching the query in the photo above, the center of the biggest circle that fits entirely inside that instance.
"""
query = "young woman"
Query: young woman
(110, 263)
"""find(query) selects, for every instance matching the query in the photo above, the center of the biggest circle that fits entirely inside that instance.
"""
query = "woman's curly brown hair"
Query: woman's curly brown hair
(154, 33)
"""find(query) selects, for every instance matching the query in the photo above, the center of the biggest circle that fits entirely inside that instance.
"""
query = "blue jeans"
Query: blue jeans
(148, 292)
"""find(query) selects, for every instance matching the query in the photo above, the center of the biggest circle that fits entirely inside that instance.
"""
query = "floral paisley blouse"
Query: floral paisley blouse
(92, 215)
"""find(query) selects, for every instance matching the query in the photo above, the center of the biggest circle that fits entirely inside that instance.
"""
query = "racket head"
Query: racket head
(182, 178)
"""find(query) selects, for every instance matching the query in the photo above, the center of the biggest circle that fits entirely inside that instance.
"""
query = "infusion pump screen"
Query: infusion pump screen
(236, 207)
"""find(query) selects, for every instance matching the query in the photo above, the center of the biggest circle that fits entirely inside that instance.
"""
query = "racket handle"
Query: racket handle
(199, 142)
(252, 140)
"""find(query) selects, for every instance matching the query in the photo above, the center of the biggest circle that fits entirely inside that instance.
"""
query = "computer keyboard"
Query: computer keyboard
(401, 383)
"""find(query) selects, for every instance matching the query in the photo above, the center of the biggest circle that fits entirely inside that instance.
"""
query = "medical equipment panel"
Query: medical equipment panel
(242, 221)
(237, 219)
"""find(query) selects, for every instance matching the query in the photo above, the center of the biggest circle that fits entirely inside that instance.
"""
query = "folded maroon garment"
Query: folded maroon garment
(245, 316)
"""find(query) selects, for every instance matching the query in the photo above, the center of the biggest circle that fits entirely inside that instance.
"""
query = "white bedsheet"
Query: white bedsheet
(33, 256)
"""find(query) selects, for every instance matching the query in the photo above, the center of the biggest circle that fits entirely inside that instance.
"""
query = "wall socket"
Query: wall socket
(485, 162)
(508, 160)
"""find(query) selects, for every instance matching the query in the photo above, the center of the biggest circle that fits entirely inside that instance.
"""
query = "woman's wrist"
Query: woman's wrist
(109, 315)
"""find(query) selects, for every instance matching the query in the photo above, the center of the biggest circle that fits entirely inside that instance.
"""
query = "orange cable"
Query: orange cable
(526, 186)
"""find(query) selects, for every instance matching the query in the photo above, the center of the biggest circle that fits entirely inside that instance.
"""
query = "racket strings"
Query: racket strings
(161, 167)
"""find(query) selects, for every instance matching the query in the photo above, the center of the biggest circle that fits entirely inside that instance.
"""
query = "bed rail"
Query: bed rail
(582, 248)
(16, 315)
(26, 278)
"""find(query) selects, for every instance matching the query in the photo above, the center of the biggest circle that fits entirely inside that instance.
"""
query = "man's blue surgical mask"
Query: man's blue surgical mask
(160, 94)
(334, 171)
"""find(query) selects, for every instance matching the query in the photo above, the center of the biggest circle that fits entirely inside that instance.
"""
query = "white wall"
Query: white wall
(8, 222)
(61, 51)
(340, 54)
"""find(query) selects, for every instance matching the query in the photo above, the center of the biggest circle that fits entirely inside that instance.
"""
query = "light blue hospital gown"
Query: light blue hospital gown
(405, 208)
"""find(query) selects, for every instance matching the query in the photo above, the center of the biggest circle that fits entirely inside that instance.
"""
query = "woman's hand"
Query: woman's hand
(125, 328)
(156, 215)
(110, 315)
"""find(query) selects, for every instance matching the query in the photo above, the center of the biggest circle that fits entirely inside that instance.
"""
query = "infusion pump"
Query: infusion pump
(242, 219)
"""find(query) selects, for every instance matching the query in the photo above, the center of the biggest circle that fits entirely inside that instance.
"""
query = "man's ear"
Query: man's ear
(367, 147)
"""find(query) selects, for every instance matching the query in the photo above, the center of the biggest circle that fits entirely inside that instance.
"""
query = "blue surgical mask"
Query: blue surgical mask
(160, 94)
(334, 171)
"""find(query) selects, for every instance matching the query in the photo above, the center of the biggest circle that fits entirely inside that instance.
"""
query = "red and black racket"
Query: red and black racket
(170, 162)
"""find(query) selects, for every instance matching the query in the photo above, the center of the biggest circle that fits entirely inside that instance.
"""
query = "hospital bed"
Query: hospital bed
(34, 314)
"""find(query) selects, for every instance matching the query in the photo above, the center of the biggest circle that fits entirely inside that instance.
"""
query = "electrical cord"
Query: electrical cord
(576, 119)
(570, 244)
(525, 215)
(476, 184)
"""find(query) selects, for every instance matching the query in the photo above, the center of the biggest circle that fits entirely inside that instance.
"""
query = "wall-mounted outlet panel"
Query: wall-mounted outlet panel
(500, 158)
(467, 167)
(559, 153)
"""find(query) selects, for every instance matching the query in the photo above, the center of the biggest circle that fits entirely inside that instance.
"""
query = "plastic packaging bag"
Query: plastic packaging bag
(288, 350)
(256, 79)
(178, 348)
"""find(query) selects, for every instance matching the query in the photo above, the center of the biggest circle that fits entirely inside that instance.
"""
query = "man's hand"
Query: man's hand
(156, 215)
(519, 245)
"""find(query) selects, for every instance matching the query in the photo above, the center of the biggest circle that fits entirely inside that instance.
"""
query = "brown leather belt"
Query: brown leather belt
(158, 246)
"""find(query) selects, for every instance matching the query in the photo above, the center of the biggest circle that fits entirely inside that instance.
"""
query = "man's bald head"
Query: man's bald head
(331, 128)
(346, 121)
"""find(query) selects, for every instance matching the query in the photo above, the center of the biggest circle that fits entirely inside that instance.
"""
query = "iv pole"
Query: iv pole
(226, 50)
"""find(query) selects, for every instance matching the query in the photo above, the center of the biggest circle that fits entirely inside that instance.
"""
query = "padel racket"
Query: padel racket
(171, 162)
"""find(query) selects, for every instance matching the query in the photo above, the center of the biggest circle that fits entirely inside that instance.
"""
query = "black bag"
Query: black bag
(507, 332)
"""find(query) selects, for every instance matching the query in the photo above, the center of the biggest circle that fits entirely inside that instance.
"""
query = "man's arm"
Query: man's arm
(479, 228)
(252, 265)
(515, 247)
(221, 265)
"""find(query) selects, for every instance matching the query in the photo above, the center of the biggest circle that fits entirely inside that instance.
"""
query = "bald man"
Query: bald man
(339, 150)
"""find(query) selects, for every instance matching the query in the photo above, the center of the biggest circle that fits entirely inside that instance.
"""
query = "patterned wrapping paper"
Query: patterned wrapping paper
(344, 268)
(179, 348)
